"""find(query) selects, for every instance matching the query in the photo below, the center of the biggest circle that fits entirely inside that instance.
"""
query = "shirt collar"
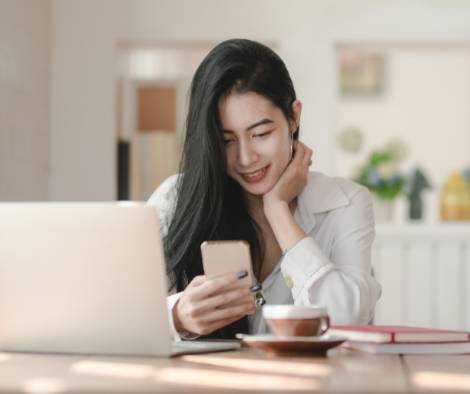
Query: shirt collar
(321, 194)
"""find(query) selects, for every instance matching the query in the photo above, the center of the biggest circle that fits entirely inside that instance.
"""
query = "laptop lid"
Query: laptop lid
(82, 278)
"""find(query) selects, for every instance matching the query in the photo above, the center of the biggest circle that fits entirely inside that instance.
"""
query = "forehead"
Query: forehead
(237, 111)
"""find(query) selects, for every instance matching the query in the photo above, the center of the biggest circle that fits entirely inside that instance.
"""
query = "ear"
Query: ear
(297, 110)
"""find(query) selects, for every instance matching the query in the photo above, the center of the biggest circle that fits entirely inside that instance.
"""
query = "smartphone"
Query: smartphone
(221, 257)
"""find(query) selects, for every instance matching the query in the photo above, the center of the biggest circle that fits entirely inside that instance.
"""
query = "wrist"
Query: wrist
(273, 207)
(180, 329)
(176, 320)
(285, 228)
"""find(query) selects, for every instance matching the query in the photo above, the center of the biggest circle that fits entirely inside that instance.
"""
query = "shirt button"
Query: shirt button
(289, 282)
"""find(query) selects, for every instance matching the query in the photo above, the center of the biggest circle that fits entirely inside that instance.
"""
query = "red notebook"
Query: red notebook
(398, 334)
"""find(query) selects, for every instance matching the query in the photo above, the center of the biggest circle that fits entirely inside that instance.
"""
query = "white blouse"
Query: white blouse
(331, 266)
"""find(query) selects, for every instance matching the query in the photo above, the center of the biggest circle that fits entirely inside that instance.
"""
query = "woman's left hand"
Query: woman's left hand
(287, 188)
(293, 179)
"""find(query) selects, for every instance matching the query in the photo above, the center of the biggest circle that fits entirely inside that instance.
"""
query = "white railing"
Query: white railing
(425, 275)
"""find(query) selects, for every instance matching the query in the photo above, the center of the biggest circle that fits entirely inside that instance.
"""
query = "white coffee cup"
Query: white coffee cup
(293, 320)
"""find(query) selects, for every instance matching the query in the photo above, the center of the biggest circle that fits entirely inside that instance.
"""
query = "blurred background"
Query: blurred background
(93, 95)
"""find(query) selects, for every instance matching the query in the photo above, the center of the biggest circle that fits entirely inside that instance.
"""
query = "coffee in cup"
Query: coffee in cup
(293, 320)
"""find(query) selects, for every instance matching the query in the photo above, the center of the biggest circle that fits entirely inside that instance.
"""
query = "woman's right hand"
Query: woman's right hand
(209, 304)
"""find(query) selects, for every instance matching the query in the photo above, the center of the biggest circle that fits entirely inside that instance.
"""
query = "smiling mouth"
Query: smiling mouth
(256, 176)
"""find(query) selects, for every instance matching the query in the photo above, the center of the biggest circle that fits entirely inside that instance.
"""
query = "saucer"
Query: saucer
(292, 345)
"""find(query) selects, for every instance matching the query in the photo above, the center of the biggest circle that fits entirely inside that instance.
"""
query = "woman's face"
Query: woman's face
(257, 139)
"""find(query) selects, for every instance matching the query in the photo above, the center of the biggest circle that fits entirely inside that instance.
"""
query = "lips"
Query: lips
(255, 176)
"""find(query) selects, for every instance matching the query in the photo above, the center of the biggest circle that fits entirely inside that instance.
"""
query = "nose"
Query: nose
(247, 155)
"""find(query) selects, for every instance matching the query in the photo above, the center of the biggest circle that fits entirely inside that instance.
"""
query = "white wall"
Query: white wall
(24, 99)
(86, 33)
(425, 103)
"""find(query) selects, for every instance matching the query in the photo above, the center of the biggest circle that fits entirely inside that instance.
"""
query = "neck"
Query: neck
(255, 206)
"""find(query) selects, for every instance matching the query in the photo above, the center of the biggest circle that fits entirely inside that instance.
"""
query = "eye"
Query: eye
(228, 141)
(264, 134)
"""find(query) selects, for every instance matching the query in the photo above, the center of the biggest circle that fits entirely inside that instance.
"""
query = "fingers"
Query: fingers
(303, 154)
(307, 159)
(197, 280)
(227, 297)
(215, 285)
(201, 320)
(222, 323)
(219, 324)
(229, 312)
(208, 304)
(299, 152)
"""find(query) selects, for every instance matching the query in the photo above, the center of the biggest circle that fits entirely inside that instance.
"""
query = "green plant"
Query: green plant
(380, 174)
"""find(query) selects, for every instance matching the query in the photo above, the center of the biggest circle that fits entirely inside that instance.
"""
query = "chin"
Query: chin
(257, 189)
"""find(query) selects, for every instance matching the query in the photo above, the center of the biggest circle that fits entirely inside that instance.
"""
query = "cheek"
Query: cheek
(285, 150)
(281, 156)
(231, 158)
(280, 149)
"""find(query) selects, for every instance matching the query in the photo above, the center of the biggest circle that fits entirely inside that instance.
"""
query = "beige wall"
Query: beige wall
(84, 48)
(24, 99)
(425, 103)
(86, 33)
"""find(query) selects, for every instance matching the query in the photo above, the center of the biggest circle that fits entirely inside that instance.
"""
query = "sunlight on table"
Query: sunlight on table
(442, 380)
(233, 380)
(210, 378)
(117, 370)
(44, 386)
(4, 357)
(280, 366)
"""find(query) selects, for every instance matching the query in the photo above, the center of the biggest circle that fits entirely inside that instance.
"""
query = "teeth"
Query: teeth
(256, 173)
(253, 174)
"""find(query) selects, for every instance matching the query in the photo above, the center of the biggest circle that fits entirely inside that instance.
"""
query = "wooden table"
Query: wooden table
(342, 371)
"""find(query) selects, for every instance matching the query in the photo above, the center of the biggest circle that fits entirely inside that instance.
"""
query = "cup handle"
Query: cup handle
(325, 325)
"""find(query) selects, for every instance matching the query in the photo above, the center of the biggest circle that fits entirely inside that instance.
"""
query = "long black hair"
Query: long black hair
(210, 205)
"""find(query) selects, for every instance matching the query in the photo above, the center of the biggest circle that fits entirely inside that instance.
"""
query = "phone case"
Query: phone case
(220, 257)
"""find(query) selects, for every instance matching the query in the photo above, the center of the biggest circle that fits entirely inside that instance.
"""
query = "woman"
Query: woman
(244, 175)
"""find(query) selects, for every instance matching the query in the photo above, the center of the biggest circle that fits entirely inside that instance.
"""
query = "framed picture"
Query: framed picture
(361, 73)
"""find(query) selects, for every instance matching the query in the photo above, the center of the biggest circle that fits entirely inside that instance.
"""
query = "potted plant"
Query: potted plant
(380, 173)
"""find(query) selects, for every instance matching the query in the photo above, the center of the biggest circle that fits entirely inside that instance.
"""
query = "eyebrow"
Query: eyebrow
(254, 125)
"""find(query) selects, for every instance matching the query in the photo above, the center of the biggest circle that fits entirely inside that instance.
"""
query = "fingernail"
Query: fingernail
(256, 288)
(242, 274)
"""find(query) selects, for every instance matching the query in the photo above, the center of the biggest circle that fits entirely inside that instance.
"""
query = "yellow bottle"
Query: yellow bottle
(455, 198)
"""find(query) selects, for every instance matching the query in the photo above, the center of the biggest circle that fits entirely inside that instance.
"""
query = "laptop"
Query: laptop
(86, 278)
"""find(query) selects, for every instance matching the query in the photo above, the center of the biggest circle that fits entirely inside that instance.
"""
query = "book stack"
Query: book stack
(403, 340)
